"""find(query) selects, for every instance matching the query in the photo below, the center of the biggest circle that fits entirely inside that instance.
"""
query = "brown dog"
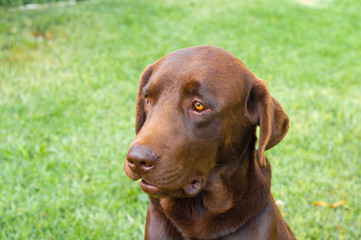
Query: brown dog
(196, 117)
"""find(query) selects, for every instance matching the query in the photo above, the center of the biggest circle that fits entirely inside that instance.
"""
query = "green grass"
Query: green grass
(17, 3)
(68, 81)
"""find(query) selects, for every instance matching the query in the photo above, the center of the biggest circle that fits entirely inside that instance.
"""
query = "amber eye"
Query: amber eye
(197, 106)
(147, 99)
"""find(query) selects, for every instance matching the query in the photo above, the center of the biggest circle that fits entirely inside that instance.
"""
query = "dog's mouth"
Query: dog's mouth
(151, 189)
(189, 190)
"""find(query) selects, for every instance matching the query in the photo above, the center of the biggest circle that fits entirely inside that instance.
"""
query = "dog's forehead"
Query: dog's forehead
(195, 59)
(211, 67)
(197, 63)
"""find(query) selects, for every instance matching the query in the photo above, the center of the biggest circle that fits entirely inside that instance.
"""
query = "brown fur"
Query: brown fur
(204, 176)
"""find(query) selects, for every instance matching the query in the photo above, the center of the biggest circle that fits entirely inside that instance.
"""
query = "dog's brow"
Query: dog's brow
(151, 88)
(191, 87)
(194, 87)
(146, 90)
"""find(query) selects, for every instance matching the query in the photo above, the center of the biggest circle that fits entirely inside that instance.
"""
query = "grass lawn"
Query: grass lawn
(68, 81)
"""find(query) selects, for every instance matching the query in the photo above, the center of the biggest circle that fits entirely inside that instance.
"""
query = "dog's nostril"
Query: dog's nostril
(141, 158)
(146, 164)
(131, 163)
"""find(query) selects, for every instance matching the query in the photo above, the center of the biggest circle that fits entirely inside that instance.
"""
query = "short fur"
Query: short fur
(201, 170)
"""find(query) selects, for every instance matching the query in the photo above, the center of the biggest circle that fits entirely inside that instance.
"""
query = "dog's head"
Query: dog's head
(196, 108)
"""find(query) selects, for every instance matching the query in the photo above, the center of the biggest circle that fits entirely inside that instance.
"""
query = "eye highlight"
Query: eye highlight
(197, 106)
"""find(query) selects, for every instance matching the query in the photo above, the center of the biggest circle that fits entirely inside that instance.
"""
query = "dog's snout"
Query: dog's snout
(141, 158)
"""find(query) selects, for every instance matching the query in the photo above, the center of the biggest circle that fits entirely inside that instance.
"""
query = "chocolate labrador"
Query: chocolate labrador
(196, 116)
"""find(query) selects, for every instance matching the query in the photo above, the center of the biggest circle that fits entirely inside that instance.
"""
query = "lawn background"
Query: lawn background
(68, 81)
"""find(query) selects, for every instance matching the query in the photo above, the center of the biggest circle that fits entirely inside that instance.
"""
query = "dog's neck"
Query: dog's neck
(234, 193)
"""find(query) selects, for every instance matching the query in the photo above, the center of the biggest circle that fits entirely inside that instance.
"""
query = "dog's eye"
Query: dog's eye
(197, 106)
(148, 100)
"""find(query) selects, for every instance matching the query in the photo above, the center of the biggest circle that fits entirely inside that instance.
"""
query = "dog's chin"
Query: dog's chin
(191, 189)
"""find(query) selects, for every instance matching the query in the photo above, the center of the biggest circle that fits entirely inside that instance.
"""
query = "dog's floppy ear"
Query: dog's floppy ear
(139, 110)
(263, 110)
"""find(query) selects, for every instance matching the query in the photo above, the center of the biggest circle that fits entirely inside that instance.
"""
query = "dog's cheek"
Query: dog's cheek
(200, 156)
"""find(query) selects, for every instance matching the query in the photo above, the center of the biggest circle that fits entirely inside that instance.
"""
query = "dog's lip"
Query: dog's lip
(190, 190)
(149, 188)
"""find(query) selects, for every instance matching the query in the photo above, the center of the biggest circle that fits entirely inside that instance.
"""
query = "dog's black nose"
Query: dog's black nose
(141, 158)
